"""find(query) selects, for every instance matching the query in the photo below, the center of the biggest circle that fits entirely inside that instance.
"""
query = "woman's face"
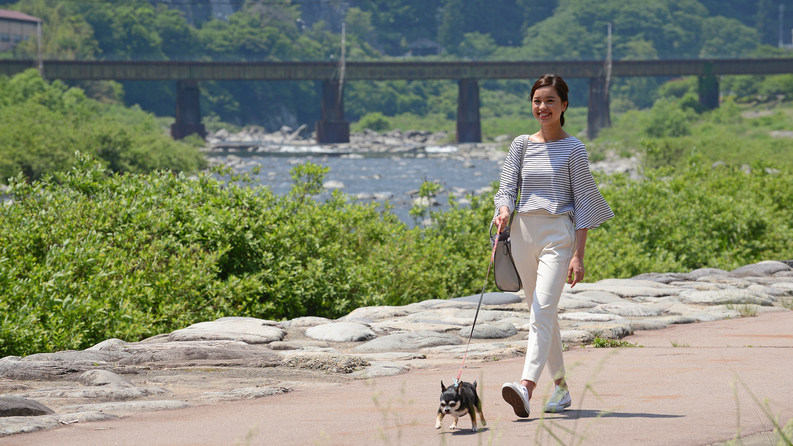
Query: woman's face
(546, 105)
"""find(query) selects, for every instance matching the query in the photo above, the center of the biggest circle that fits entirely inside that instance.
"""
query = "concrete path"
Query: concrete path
(695, 393)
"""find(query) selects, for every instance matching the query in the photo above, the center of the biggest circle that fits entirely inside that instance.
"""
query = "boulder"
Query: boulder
(576, 336)
(408, 342)
(306, 322)
(340, 332)
(246, 329)
(14, 406)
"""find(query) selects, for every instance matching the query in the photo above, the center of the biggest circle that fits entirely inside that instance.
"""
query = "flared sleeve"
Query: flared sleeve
(508, 184)
(590, 208)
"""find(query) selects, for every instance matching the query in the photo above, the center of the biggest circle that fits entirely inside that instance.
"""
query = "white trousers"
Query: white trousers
(542, 247)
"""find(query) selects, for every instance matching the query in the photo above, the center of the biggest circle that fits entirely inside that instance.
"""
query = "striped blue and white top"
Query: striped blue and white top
(556, 178)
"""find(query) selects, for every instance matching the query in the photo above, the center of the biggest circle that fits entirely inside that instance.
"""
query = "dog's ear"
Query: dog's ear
(474, 384)
(458, 387)
(443, 388)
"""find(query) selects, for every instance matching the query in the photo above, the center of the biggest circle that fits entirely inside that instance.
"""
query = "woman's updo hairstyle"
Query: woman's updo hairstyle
(552, 80)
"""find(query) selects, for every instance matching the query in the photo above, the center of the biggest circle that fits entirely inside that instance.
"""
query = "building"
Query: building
(16, 27)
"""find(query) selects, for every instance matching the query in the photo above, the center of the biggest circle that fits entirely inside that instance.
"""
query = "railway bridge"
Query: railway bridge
(333, 128)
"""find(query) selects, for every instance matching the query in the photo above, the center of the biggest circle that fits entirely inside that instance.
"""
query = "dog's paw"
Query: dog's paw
(474, 429)
(437, 425)
(453, 427)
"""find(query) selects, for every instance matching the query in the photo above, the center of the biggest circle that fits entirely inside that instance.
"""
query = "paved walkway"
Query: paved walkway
(694, 394)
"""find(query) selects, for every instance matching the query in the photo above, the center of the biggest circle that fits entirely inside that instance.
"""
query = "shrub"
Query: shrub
(374, 121)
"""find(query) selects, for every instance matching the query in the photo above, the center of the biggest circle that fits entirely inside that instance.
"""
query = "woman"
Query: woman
(559, 203)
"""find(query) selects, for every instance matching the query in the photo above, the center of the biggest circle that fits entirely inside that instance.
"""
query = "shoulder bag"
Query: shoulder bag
(504, 272)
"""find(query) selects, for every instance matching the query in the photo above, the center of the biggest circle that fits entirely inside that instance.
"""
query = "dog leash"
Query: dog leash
(487, 276)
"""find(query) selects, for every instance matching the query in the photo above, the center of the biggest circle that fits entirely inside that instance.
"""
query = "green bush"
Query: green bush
(44, 124)
(373, 121)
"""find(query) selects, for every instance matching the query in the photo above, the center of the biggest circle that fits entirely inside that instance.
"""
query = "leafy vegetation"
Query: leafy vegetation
(43, 124)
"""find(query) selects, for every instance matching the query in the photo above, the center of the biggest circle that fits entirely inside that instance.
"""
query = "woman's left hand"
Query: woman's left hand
(575, 272)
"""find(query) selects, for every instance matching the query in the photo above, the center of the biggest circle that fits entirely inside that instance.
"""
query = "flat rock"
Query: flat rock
(697, 273)
(606, 330)
(107, 345)
(589, 317)
(379, 370)
(576, 336)
(23, 425)
(14, 406)
(77, 356)
(665, 278)
(491, 299)
(626, 290)
(489, 331)
(765, 268)
(129, 406)
(376, 313)
(598, 297)
(432, 304)
(245, 393)
(306, 322)
(107, 393)
(722, 297)
(340, 332)
(769, 290)
(296, 345)
(328, 362)
(648, 324)
(627, 309)
(478, 350)
(392, 356)
(47, 370)
(408, 342)
(398, 325)
(246, 329)
(174, 354)
(568, 302)
(103, 378)
(462, 316)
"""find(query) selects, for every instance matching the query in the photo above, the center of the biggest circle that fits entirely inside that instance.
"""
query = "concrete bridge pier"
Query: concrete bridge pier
(332, 128)
(469, 128)
(709, 91)
(188, 111)
(599, 116)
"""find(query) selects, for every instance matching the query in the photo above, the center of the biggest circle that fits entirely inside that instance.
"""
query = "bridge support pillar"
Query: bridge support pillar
(709, 91)
(599, 116)
(332, 128)
(469, 128)
(188, 111)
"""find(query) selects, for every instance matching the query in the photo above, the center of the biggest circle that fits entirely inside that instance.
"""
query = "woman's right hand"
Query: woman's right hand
(502, 219)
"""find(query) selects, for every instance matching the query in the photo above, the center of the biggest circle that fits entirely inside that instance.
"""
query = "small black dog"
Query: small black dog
(460, 400)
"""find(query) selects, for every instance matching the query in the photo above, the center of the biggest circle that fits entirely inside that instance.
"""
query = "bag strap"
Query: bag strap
(520, 180)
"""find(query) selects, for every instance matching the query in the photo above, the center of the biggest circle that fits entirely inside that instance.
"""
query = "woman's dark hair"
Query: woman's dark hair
(555, 81)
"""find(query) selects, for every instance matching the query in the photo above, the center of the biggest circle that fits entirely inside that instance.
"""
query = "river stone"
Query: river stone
(408, 342)
(665, 278)
(130, 406)
(627, 309)
(576, 336)
(765, 268)
(490, 331)
(491, 299)
(108, 345)
(245, 393)
(246, 329)
(103, 378)
(340, 332)
(589, 317)
(24, 425)
(14, 406)
(306, 322)
(108, 393)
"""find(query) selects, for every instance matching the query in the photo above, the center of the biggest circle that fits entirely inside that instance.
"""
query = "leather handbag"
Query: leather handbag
(504, 272)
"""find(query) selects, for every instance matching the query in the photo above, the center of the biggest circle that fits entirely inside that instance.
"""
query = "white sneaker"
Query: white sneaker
(518, 397)
(560, 400)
